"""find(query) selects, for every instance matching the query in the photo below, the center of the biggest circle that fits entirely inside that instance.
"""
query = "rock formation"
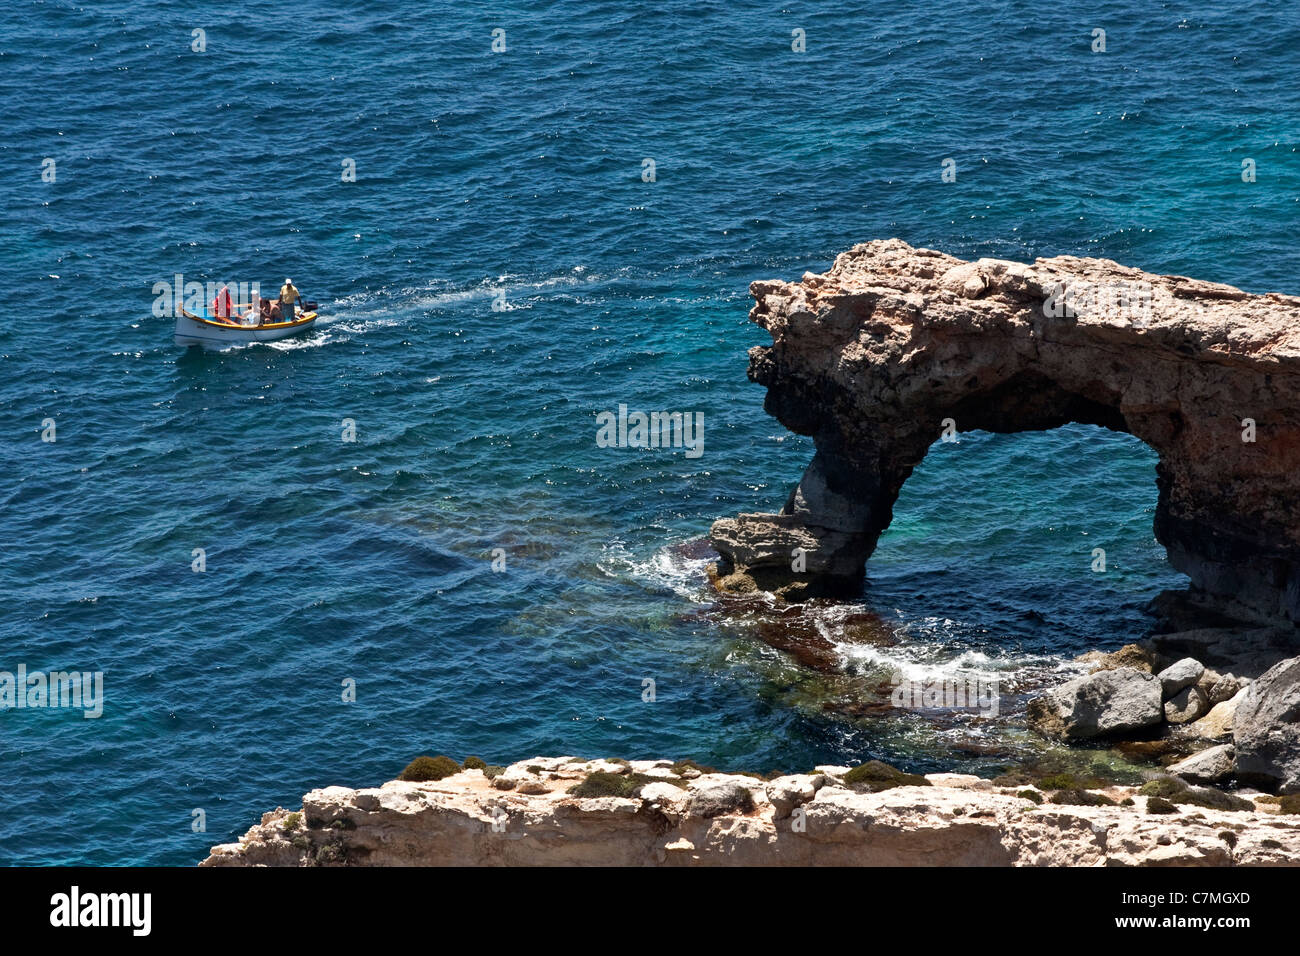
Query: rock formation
(1266, 729)
(1103, 704)
(1240, 716)
(872, 359)
(677, 816)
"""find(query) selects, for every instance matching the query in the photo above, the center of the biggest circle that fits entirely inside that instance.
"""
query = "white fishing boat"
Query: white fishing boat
(217, 333)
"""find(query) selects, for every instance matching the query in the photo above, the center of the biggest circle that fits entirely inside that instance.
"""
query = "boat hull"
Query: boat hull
(193, 330)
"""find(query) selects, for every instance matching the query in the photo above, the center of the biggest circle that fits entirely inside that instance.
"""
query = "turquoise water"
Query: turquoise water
(516, 179)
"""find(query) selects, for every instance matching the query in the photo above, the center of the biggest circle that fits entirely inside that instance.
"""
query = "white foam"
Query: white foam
(667, 568)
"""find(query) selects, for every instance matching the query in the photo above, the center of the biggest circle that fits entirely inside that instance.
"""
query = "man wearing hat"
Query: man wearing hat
(289, 297)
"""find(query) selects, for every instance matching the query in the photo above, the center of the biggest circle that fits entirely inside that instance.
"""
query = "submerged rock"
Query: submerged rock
(1101, 704)
(1166, 749)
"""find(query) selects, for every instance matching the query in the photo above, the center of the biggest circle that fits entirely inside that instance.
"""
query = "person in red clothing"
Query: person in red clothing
(223, 307)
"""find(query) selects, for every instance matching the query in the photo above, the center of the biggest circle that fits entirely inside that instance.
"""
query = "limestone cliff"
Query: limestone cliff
(871, 358)
(672, 815)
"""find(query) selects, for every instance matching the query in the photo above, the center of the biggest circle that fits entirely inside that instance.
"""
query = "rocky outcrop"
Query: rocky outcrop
(1266, 729)
(1240, 728)
(1209, 766)
(892, 347)
(1103, 704)
(1235, 654)
(676, 816)
(1199, 701)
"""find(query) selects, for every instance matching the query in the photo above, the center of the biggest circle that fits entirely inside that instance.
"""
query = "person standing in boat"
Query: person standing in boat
(289, 296)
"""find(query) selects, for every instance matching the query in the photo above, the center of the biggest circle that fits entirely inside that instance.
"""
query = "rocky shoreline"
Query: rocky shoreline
(550, 811)
(1227, 695)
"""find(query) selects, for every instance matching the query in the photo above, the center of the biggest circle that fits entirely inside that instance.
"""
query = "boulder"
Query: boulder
(1187, 705)
(1177, 676)
(1266, 729)
(665, 797)
(1226, 687)
(831, 770)
(1099, 705)
(786, 793)
(1220, 687)
(713, 795)
(1130, 655)
(1209, 766)
(1217, 724)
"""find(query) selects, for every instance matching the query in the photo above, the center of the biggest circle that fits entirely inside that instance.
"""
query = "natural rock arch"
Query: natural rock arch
(870, 358)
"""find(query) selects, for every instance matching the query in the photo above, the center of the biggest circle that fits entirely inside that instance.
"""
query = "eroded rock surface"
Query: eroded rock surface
(697, 818)
(871, 358)
(1101, 704)
(1266, 728)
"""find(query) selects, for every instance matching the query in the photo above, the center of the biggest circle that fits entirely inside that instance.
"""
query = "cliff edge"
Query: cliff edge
(657, 813)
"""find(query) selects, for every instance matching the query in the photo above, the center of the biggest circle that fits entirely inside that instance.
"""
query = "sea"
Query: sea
(304, 563)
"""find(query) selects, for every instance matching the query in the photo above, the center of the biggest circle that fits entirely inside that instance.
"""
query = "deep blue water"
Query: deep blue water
(516, 177)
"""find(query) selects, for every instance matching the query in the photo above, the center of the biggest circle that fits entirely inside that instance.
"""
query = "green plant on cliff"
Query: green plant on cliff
(1175, 791)
(601, 783)
(1160, 805)
(291, 822)
(1164, 787)
(1075, 797)
(474, 763)
(429, 768)
(681, 766)
(1289, 803)
(1033, 796)
(1069, 781)
(1016, 778)
(875, 775)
